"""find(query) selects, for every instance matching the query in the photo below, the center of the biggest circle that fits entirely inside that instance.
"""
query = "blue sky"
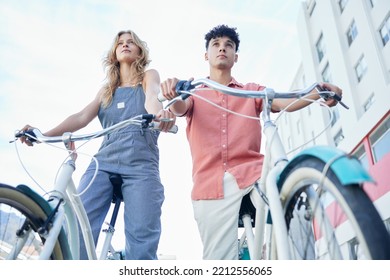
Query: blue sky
(51, 66)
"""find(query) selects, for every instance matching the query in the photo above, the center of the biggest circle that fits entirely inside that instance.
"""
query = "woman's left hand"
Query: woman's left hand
(166, 119)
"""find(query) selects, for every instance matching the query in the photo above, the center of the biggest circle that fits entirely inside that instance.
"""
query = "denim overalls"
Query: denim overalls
(132, 153)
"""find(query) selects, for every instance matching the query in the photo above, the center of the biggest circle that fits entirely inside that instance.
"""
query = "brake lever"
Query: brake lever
(325, 94)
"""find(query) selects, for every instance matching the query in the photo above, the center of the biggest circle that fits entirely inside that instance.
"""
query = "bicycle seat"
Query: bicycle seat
(247, 208)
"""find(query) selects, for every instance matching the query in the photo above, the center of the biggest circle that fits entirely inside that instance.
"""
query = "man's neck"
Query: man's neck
(222, 77)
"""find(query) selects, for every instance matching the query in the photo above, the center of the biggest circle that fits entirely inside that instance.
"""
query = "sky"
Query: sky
(51, 66)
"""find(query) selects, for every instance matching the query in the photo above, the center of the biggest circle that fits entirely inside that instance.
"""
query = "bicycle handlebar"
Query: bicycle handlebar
(184, 87)
(144, 120)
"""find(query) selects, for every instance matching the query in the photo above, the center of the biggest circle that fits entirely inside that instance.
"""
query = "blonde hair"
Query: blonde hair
(111, 65)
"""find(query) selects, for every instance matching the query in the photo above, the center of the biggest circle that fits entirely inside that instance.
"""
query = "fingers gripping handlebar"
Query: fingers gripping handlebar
(181, 87)
(325, 94)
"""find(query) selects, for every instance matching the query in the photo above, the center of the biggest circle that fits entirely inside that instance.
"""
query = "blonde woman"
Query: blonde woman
(133, 154)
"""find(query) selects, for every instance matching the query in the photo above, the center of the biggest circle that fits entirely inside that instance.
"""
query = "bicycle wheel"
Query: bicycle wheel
(328, 220)
(20, 220)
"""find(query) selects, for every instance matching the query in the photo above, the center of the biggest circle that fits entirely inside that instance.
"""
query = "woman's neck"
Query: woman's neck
(127, 76)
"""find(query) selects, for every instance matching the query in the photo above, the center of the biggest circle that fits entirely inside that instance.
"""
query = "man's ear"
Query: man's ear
(235, 57)
(206, 57)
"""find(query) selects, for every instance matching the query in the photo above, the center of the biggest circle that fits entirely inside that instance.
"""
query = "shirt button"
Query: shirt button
(223, 130)
(224, 146)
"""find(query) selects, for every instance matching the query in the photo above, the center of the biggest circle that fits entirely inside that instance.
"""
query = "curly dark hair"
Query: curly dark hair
(220, 31)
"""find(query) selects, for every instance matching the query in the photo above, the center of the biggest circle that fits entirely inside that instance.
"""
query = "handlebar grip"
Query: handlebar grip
(182, 85)
(161, 97)
(174, 129)
(29, 134)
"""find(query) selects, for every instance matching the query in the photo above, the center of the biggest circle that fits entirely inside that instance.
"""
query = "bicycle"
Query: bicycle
(312, 206)
(32, 227)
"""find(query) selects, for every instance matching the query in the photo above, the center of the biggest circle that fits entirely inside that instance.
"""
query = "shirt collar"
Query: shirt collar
(232, 83)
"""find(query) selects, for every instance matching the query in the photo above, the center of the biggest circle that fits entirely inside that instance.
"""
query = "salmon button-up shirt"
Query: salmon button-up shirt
(224, 142)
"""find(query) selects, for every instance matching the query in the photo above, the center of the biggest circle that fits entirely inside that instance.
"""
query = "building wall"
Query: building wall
(368, 98)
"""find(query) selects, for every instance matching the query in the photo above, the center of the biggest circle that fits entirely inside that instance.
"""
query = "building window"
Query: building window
(326, 76)
(360, 68)
(360, 154)
(369, 102)
(339, 137)
(311, 6)
(342, 5)
(372, 3)
(320, 46)
(385, 31)
(313, 137)
(352, 33)
(289, 143)
(380, 141)
(335, 115)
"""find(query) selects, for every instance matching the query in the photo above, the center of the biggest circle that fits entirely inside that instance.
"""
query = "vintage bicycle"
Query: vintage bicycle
(36, 227)
(311, 206)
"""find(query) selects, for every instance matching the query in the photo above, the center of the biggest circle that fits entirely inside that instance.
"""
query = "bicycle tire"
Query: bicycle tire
(18, 210)
(351, 223)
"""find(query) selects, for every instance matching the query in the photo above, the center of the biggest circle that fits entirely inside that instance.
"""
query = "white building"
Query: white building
(347, 43)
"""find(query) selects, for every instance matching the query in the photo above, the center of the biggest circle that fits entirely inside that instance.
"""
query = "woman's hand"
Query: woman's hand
(166, 119)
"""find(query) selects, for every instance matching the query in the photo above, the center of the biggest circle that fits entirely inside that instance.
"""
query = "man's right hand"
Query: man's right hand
(168, 88)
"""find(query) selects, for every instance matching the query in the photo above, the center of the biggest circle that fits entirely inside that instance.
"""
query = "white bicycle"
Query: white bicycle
(312, 206)
(34, 227)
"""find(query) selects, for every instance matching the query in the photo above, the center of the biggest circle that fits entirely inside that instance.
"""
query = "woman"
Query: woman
(133, 154)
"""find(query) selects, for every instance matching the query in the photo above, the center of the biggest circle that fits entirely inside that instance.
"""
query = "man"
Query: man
(225, 148)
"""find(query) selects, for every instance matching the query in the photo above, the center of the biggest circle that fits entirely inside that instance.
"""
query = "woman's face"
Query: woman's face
(126, 50)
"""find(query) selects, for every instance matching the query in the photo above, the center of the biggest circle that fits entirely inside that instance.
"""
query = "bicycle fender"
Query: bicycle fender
(347, 168)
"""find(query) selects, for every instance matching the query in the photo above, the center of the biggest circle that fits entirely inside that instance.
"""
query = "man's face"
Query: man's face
(221, 53)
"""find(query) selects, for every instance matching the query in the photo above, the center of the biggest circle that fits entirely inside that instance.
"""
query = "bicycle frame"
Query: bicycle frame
(68, 202)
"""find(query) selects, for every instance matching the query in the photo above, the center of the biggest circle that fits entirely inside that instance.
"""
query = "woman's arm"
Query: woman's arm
(78, 120)
(151, 85)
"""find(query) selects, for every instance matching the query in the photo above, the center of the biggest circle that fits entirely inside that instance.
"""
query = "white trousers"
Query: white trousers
(218, 221)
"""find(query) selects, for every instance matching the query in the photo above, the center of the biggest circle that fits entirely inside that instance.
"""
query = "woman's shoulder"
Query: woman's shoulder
(151, 76)
(151, 72)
